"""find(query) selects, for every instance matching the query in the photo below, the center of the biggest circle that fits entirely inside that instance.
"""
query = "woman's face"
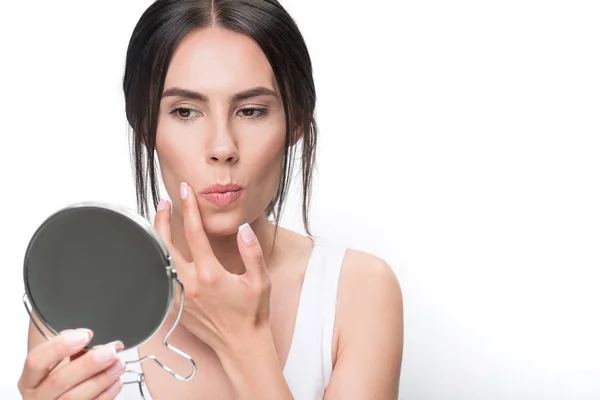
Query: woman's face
(221, 121)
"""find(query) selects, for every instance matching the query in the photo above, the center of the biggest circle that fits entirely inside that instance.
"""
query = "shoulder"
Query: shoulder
(360, 264)
(370, 304)
(371, 278)
(364, 276)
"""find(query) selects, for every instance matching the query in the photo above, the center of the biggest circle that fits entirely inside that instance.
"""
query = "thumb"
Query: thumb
(251, 252)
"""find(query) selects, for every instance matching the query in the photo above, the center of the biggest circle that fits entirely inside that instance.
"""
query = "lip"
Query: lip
(218, 188)
(222, 195)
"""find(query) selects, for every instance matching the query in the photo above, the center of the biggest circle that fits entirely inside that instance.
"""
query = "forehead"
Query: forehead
(215, 59)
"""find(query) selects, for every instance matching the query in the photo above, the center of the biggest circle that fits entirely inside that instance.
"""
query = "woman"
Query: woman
(223, 92)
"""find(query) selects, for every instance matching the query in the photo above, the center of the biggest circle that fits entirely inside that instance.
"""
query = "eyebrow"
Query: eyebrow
(244, 95)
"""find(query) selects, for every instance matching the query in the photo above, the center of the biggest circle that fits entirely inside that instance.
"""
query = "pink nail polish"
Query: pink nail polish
(104, 354)
(76, 338)
(161, 205)
(183, 190)
(247, 234)
(118, 345)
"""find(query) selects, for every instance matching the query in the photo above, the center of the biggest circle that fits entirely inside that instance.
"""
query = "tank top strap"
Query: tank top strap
(309, 362)
(335, 254)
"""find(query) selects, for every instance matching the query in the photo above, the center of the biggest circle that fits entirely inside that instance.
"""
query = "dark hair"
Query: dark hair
(156, 36)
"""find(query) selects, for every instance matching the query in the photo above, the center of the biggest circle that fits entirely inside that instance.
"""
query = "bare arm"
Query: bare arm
(371, 331)
(34, 337)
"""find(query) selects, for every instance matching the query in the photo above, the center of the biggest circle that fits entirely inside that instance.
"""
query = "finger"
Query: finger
(102, 385)
(118, 345)
(41, 358)
(112, 392)
(77, 355)
(162, 225)
(202, 253)
(251, 253)
(77, 372)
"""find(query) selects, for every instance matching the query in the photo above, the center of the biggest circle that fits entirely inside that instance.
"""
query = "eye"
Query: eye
(252, 112)
(183, 113)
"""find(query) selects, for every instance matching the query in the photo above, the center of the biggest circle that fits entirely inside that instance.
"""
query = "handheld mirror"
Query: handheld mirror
(101, 267)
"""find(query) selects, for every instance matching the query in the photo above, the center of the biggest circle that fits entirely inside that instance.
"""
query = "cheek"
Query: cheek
(275, 157)
(173, 156)
(169, 164)
(266, 167)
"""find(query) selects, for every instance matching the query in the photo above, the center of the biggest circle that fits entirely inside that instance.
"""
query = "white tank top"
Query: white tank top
(309, 363)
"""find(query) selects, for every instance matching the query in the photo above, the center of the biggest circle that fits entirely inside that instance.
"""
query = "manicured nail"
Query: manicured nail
(183, 190)
(118, 345)
(116, 368)
(162, 205)
(115, 388)
(78, 337)
(247, 234)
(104, 354)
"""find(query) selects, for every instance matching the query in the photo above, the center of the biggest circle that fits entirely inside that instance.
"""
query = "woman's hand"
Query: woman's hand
(90, 375)
(220, 307)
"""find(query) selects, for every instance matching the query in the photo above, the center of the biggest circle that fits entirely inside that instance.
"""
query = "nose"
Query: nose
(224, 154)
(222, 147)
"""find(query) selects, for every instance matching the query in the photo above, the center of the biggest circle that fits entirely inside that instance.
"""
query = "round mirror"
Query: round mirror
(99, 267)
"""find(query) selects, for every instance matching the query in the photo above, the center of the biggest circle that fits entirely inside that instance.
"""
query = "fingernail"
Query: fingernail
(78, 337)
(183, 190)
(117, 344)
(105, 353)
(115, 388)
(247, 234)
(162, 205)
(116, 368)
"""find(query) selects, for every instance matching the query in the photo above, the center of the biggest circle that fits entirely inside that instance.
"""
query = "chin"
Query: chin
(222, 224)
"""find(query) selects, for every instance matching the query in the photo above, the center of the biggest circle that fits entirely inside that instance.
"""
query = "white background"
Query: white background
(460, 141)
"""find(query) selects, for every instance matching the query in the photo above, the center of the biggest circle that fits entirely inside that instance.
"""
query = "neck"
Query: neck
(226, 248)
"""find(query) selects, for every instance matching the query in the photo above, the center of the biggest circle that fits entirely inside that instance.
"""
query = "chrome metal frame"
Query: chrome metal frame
(171, 274)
